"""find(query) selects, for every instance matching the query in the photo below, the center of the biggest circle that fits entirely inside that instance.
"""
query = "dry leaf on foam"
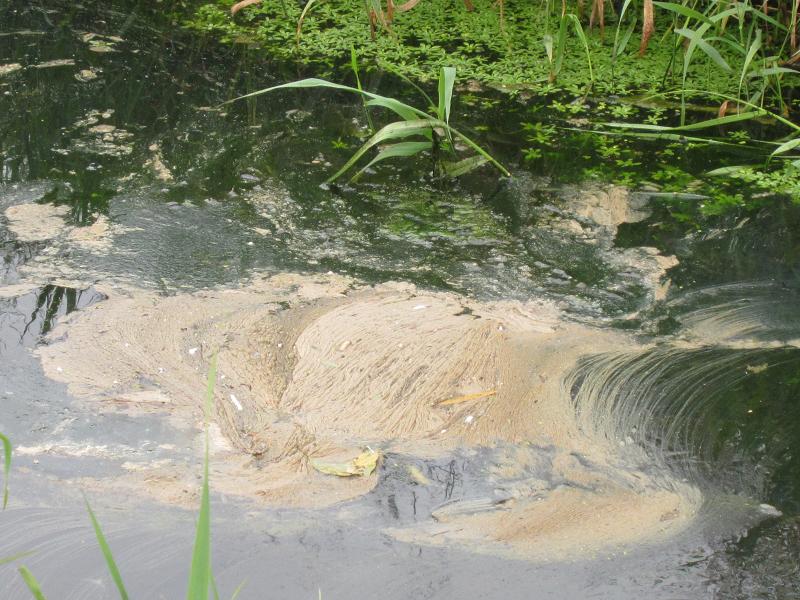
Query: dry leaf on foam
(362, 465)
(467, 398)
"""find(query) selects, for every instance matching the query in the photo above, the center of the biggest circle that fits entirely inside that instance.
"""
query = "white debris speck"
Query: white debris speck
(344, 345)
(236, 403)
(443, 431)
(420, 307)
(59, 369)
(193, 351)
(250, 244)
(770, 510)
(469, 419)
(161, 369)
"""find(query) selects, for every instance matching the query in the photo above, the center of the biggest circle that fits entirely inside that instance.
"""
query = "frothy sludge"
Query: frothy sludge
(320, 368)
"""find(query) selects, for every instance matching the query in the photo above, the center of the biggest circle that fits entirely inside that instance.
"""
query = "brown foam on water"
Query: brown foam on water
(320, 367)
(36, 222)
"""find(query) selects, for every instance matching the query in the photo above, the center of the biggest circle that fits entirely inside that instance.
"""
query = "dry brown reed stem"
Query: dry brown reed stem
(243, 4)
(648, 26)
(599, 15)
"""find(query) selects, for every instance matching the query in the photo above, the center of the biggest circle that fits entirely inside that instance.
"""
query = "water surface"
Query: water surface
(118, 119)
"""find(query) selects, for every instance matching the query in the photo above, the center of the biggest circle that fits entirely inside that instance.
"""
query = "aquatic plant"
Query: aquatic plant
(433, 131)
(741, 30)
(374, 10)
(786, 149)
(508, 51)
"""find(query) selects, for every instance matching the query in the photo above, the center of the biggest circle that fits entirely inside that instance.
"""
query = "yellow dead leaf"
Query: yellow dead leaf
(467, 398)
(362, 465)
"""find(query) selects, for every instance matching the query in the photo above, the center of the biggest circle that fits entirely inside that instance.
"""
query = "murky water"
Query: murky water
(116, 123)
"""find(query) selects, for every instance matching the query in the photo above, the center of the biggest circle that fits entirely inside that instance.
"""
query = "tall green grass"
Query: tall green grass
(555, 48)
(104, 547)
(6, 466)
(200, 575)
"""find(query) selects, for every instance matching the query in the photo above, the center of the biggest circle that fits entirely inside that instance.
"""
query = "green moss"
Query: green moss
(456, 219)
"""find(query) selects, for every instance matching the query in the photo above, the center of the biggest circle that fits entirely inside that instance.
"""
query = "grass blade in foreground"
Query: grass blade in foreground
(112, 566)
(13, 557)
(6, 466)
(200, 575)
(238, 590)
(32, 584)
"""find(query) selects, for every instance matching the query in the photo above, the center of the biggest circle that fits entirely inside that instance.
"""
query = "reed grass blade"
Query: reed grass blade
(400, 149)
(447, 78)
(33, 585)
(106, 549)
(238, 590)
(200, 574)
(6, 466)
(15, 557)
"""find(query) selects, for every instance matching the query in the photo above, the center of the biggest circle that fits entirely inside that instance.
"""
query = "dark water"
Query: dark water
(244, 195)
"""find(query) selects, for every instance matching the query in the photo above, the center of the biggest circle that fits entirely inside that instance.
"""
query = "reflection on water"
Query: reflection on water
(26, 319)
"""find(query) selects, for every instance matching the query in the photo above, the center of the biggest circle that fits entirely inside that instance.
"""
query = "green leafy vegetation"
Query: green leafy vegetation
(736, 59)
(515, 47)
(435, 34)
